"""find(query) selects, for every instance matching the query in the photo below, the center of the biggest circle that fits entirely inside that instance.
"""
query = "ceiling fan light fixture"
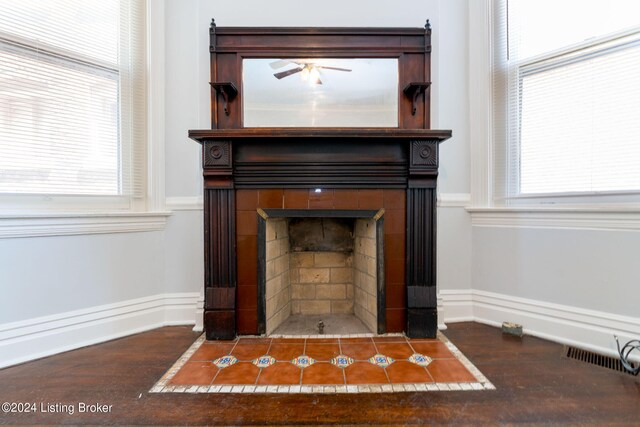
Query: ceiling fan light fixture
(304, 75)
(314, 75)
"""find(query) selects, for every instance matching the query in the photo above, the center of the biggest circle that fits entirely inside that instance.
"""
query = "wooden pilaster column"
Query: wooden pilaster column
(422, 311)
(219, 241)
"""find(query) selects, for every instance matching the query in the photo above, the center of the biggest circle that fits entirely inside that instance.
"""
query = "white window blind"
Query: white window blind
(72, 97)
(567, 98)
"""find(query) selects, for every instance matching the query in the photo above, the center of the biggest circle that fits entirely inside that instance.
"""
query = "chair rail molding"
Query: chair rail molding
(69, 224)
(583, 218)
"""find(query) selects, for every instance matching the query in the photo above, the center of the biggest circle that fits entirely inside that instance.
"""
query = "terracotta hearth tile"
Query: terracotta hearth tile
(211, 351)
(396, 296)
(387, 339)
(362, 340)
(195, 373)
(395, 222)
(406, 372)
(322, 341)
(359, 351)
(270, 198)
(449, 370)
(370, 199)
(247, 296)
(246, 223)
(345, 199)
(432, 348)
(322, 373)
(321, 367)
(288, 340)
(248, 352)
(322, 352)
(246, 200)
(254, 340)
(239, 373)
(394, 199)
(247, 321)
(394, 270)
(296, 199)
(397, 350)
(323, 200)
(286, 352)
(365, 373)
(394, 246)
(279, 374)
(395, 320)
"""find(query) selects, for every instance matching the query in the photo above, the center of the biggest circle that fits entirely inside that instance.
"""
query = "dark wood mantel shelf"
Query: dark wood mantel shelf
(351, 133)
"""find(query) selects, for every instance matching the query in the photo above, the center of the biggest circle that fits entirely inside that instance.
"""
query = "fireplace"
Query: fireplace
(266, 189)
(321, 266)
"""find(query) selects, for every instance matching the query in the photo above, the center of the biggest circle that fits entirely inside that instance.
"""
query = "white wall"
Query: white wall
(594, 270)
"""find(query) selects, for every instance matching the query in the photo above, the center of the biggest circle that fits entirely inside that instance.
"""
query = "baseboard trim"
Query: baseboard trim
(71, 330)
(588, 329)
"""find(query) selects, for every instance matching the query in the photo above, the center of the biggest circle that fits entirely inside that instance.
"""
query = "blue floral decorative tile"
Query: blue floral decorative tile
(264, 361)
(420, 359)
(225, 361)
(303, 361)
(341, 361)
(381, 360)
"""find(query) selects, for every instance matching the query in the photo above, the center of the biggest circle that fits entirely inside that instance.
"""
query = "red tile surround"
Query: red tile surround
(247, 203)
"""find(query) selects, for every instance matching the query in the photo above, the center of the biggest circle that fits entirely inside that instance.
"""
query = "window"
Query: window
(567, 100)
(73, 101)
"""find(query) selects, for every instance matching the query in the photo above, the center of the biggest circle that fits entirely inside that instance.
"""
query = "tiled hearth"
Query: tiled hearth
(354, 364)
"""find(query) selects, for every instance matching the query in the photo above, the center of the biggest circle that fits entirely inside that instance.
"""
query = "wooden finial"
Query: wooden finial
(213, 23)
(427, 25)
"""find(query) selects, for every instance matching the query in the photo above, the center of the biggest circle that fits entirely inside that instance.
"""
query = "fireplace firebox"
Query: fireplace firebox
(372, 189)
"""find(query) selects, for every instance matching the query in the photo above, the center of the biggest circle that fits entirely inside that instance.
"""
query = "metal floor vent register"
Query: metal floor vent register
(608, 362)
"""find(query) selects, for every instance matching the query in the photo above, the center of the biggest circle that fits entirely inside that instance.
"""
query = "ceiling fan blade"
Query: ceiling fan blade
(334, 68)
(279, 64)
(287, 73)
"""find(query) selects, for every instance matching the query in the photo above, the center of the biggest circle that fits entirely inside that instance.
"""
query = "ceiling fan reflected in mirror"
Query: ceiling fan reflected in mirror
(309, 69)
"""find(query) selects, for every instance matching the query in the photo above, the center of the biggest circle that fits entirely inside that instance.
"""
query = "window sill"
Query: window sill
(583, 218)
(68, 224)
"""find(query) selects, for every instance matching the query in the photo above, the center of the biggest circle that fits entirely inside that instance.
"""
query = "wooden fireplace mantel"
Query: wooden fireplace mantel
(248, 169)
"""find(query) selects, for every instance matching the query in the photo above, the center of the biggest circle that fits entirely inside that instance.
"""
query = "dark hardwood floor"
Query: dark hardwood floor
(535, 385)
